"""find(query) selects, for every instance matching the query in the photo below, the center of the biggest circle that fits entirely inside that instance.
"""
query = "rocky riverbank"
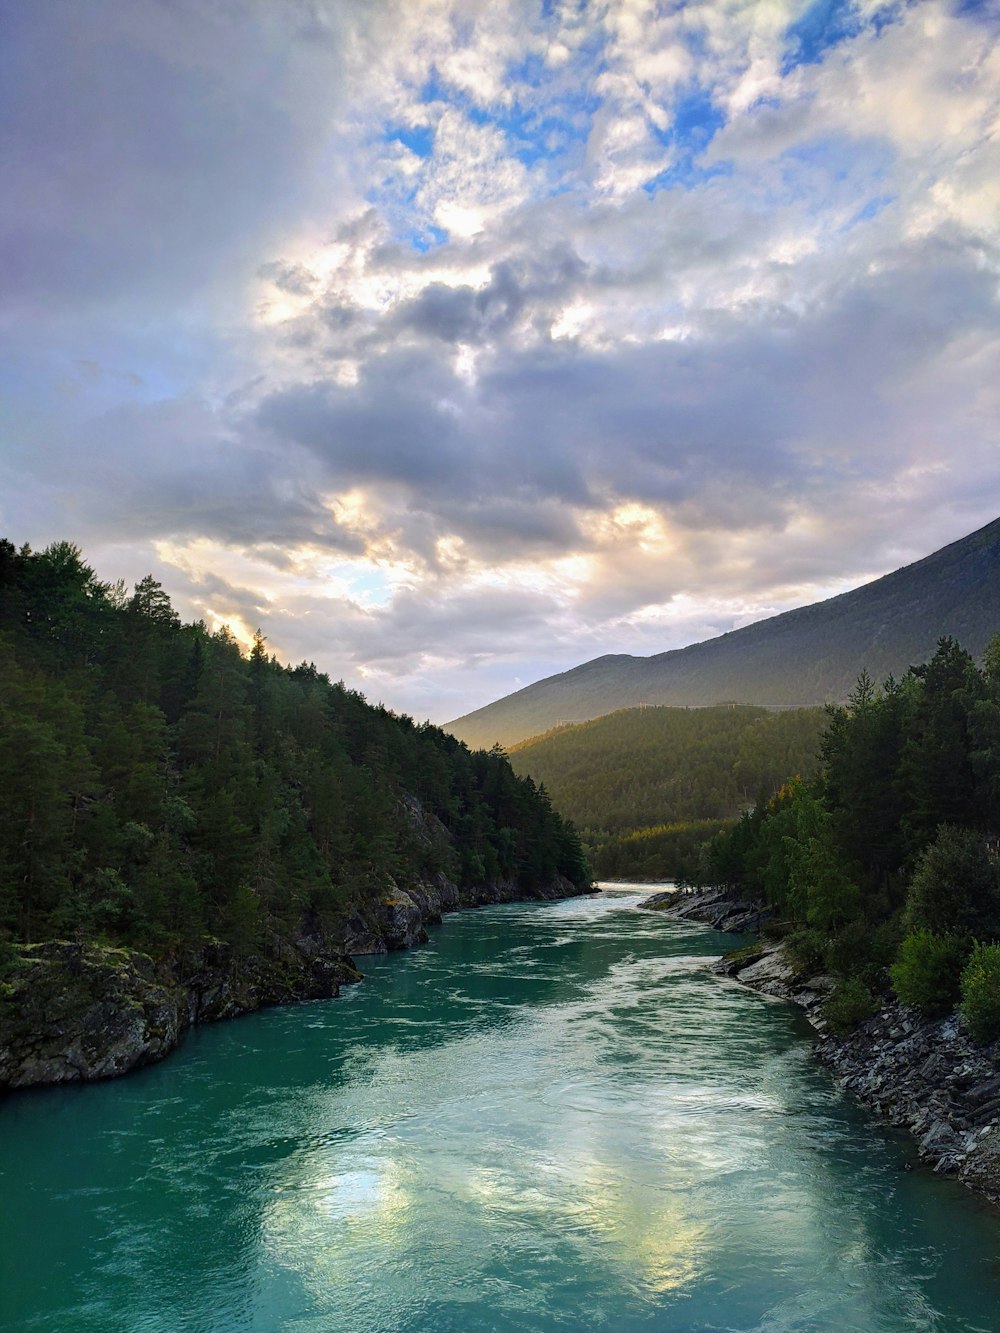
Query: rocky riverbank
(925, 1076)
(72, 1012)
(713, 907)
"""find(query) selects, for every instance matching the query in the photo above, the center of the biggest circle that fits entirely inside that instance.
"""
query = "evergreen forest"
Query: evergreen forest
(884, 866)
(647, 786)
(160, 787)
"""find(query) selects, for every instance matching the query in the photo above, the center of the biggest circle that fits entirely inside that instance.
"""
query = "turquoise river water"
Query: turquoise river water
(551, 1117)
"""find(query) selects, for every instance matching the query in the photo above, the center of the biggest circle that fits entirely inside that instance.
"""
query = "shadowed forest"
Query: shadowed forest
(161, 786)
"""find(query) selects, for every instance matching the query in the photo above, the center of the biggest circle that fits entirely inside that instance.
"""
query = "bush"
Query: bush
(928, 972)
(954, 887)
(863, 950)
(805, 950)
(850, 1004)
(981, 992)
(775, 929)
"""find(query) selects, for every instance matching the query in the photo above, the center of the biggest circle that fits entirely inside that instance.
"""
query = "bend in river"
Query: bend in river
(552, 1117)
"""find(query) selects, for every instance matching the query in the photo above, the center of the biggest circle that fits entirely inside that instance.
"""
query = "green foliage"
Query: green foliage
(668, 851)
(864, 950)
(861, 752)
(646, 768)
(981, 992)
(898, 834)
(849, 1004)
(955, 887)
(927, 973)
(806, 950)
(648, 786)
(936, 769)
(158, 785)
(819, 888)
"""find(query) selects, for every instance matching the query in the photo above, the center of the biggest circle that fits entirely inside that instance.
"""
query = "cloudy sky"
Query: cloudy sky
(456, 343)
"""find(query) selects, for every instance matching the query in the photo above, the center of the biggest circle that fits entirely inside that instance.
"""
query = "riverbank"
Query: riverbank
(925, 1076)
(75, 1012)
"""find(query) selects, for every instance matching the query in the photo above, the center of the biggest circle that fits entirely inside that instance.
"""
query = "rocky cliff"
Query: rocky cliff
(72, 1012)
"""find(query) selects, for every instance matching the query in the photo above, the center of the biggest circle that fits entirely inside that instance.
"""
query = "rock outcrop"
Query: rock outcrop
(72, 1012)
(398, 917)
(765, 967)
(713, 907)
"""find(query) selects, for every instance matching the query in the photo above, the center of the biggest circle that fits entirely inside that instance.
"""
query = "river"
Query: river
(551, 1117)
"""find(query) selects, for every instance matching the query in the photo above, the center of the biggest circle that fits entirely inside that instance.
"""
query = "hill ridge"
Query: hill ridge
(809, 655)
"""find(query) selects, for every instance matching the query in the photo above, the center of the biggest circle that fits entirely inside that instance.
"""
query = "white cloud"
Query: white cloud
(460, 343)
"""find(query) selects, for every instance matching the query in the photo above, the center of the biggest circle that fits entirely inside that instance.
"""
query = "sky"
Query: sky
(453, 344)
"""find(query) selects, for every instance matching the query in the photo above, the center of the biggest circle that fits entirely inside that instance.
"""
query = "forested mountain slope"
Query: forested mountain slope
(158, 787)
(642, 784)
(644, 766)
(811, 655)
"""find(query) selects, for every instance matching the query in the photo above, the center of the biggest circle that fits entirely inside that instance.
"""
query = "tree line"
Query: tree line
(160, 787)
(886, 863)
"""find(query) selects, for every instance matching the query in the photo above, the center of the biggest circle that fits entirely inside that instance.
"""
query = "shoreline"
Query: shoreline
(73, 1013)
(924, 1076)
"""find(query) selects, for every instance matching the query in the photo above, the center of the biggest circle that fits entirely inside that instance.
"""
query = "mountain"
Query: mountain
(811, 655)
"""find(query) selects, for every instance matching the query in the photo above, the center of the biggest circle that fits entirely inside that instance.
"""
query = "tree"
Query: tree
(936, 774)
(819, 887)
(927, 972)
(955, 888)
(861, 751)
(980, 987)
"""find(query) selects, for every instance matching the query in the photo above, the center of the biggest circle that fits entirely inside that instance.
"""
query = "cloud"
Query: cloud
(136, 162)
(461, 343)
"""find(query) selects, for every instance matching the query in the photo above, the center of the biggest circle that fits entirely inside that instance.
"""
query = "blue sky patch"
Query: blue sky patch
(871, 209)
(823, 25)
(426, 238)
(696, 119)
(418, 139)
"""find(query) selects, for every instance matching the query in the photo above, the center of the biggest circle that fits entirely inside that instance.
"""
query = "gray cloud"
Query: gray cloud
(781, 361)
(132, 156)
(774, 410)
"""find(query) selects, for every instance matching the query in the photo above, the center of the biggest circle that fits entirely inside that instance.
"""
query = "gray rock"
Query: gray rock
(74, 1012)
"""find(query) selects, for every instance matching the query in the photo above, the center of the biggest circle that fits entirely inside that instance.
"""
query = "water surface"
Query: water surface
(552, 1117)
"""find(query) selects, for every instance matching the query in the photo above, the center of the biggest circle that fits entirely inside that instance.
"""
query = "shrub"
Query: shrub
(954, 887)
(775, 929)
(981, 992)
(805, 949)
(850, 1004)
(928, 971)
(863, 950)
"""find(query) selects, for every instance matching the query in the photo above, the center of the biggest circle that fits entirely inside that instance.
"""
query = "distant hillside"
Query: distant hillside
(651, 766)
(808, 656)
